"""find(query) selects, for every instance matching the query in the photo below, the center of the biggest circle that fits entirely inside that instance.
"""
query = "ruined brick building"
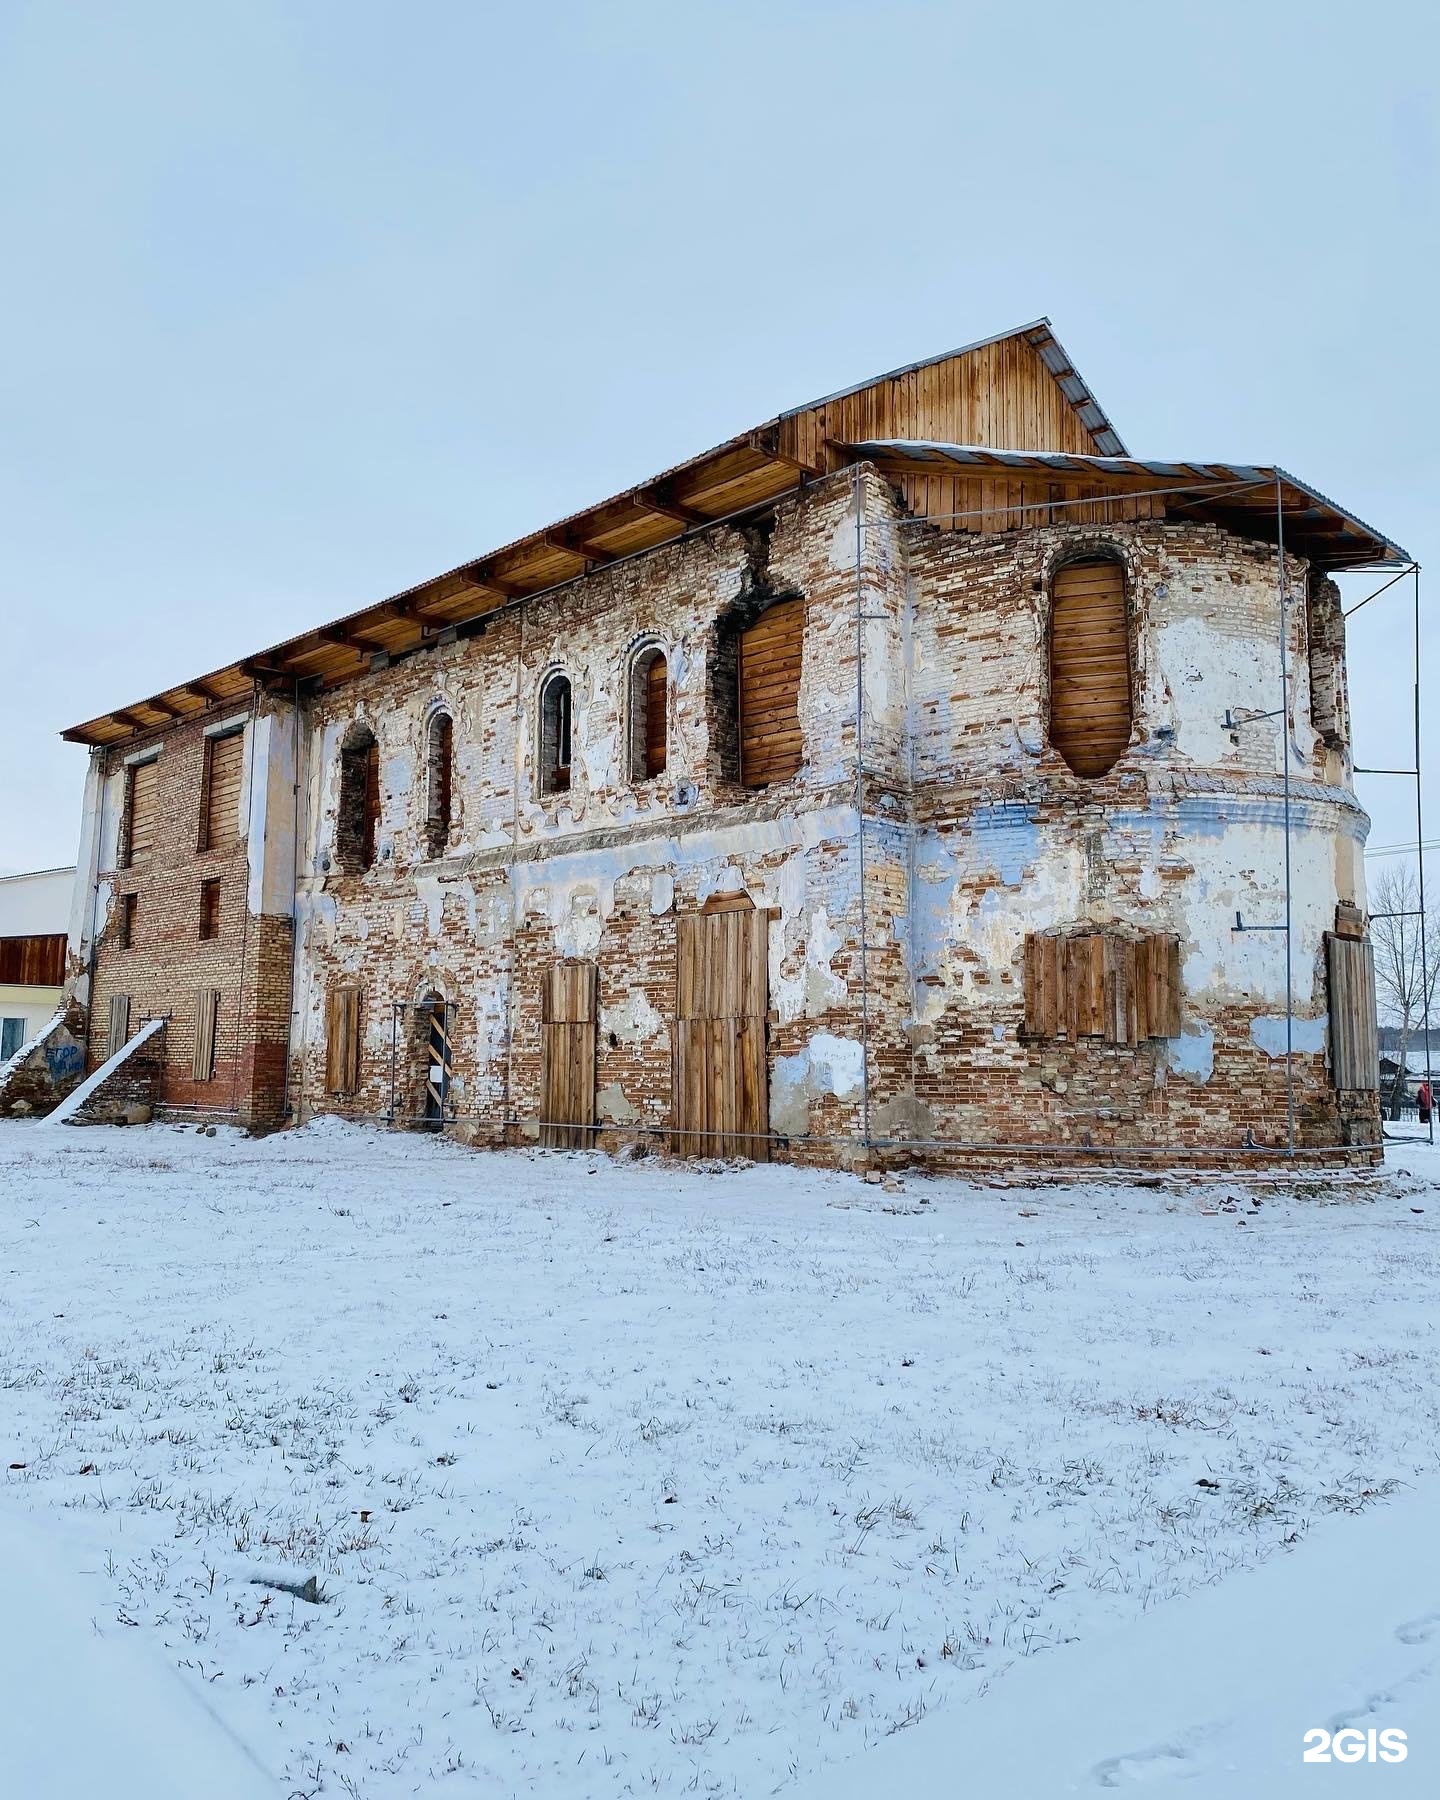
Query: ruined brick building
(889, 780)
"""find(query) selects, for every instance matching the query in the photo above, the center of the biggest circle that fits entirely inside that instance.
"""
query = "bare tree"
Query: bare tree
(1400, 981)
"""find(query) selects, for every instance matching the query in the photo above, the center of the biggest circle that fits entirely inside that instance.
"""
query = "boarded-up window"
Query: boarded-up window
(342, 1040)
(555, 705)
(721, 1101)
(210, 909)
(768, 677)
(119, 1024)
(34, 961)
(1100, 984)
(220, 813)
(207, 1012)
(439, 779)
(141, 788)
(1354, 1040)
(567, 1055)
(1090, 708)
(648, 699)
(359, 808)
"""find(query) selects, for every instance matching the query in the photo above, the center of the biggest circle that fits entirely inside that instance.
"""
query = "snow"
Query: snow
(88, 1713)
(1217, 1689)
(623, 1478)
(74, 1100)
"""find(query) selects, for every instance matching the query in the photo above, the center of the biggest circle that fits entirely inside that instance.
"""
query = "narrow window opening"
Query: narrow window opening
(138, 833)
(439, 784)
(210, 909)
(129, 912)
(221, 799)
(555, 706)
(768, 663)
(359, 811)
(649, 697)
(1091, 711)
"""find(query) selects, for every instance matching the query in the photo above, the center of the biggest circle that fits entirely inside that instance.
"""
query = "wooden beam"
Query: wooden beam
(578, 546)
(661, 499)
(479, 576)
(163, 706)
(126, 717)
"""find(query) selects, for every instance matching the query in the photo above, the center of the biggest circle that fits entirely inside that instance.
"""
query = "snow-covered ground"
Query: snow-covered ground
(644, 1479)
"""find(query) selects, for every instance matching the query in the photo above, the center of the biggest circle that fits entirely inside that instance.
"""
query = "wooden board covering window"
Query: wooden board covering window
(1090, 709)
(1099, 984)
(225, 758)
(1354, 1039)
(119, 1024)
(721, 1099)
(207, 1012)
(769, 656)
(342, 1040)
(33, 961)
(140, 811)
(567, 1056)
(655, 698)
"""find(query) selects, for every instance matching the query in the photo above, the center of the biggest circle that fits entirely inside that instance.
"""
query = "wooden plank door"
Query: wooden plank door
(567, 1056)
(721, 1096)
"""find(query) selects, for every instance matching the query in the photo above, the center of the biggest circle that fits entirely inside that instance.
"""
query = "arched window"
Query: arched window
(649, 694)
(555, 735)
(439, 750)
(359, 811)
(1090, 703)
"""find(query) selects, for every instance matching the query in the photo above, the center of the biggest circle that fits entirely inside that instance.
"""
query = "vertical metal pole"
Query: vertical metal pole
(860, 816)
(1285, 753)
(1420, 862)
(394, 1029)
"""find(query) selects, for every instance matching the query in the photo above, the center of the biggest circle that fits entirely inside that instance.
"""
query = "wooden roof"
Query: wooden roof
(1017, 392)
(1243, 497)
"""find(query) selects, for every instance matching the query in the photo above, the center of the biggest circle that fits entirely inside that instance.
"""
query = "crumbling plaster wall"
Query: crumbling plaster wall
(599, 872)
(1184, 833)
(976, 833)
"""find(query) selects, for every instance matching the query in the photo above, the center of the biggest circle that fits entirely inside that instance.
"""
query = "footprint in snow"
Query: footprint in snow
(1418, 1631)
(1169, 1762)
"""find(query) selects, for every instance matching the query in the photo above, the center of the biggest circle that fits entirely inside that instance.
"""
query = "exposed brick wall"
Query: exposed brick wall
(168, 963)
(976, 832)
(138, 1081)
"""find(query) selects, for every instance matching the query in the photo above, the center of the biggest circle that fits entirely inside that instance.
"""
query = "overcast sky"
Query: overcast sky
(305, 302)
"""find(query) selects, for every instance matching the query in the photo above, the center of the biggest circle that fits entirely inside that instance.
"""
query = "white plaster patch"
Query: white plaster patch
(1192, 1055)
(662, 893)
(827, 1065)
(430, 891)
(634, 1020)
(1267, 1030)
(814, 988)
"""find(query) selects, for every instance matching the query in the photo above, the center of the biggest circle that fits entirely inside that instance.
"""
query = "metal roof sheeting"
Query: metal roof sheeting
(1224, 480)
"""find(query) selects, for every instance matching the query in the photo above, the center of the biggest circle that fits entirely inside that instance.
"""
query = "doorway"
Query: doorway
(721, 1096)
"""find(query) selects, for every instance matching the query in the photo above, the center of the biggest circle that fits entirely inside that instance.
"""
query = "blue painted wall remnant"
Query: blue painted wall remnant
(64, 1060)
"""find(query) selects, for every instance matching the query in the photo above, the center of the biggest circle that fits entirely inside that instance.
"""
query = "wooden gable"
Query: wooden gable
(1016, 392)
